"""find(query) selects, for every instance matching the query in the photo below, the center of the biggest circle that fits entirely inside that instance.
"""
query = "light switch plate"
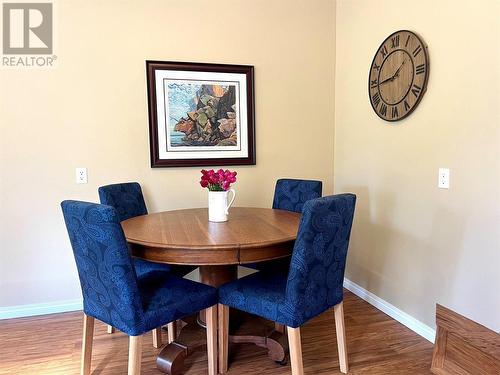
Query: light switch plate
(81, 176)
(444, 178)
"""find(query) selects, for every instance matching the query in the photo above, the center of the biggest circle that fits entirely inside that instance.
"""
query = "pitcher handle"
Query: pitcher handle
(232, 200)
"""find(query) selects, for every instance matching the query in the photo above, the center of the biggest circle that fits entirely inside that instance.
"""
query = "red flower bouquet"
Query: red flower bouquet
(217, 181)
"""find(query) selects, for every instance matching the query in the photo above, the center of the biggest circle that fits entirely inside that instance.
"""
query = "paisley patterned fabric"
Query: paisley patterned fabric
(112, 292)
(290, 195)
(261, 293)
(167, 298)
(126, 198)
(314, 281)
(128, 201)
(143, 266)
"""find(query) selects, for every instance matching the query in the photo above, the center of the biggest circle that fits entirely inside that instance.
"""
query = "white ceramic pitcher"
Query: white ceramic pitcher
(218, 208)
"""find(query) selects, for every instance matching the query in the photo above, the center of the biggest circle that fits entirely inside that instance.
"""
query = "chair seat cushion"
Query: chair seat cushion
(166, 298)
(261, 293)
(143, 266)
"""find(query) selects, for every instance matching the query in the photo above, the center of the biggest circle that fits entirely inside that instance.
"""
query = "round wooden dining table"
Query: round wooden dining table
(186, 237)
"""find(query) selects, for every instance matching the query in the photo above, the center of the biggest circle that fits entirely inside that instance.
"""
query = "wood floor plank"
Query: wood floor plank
(51, 345)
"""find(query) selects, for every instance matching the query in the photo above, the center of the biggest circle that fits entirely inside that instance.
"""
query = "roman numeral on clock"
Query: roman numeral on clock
(373, 83)
(416, 90)
(407, 40)
(417, 50)
(394, 113)
(375, 66)
(383, 51)
(383, 109)
(395, 41)
(407, 106)
(420, 69)
(376, 99)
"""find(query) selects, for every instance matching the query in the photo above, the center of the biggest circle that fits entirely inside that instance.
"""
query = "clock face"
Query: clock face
(398, 75)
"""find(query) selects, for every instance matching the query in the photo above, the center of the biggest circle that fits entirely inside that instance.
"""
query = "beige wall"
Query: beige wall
(91, 112)
(414, 244)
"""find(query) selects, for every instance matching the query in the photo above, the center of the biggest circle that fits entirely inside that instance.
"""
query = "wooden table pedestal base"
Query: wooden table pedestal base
(275, 342)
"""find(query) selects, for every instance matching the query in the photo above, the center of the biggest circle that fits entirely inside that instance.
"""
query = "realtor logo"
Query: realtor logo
(28, 35)
(27, 29)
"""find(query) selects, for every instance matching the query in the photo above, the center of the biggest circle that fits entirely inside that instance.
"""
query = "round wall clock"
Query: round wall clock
(398, 75)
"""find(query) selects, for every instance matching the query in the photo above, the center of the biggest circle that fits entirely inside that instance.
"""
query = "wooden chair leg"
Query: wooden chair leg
(134, 355)
(223, 337)
(295, 350)
(88, 335)
(157, 337)
(211, 322)
(111, 329)
(341, 338)
(172, 332)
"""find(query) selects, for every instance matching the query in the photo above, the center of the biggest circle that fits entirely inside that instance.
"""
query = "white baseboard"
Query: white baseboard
(407, 320)
(22, 311)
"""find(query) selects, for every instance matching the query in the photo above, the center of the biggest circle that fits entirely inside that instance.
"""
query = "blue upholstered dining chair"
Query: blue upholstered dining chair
(114, 294)
(128, 200)
(290, 195)
(312, 285)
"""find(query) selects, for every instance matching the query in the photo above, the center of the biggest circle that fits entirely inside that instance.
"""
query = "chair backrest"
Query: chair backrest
(126, 198)
(317, 267)
(107, 277)
(291, 194)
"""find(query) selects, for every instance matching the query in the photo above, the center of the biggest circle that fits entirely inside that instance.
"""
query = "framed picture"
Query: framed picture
(200, 114)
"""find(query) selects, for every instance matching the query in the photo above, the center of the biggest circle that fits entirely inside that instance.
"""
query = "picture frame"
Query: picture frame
(200, 114)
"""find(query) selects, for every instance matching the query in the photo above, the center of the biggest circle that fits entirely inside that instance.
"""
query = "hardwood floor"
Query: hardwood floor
(376, 345)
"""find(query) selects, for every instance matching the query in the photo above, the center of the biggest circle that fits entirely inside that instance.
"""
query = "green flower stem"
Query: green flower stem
(215, 187)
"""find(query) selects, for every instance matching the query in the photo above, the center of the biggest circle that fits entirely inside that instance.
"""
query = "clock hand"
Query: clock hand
(387, 80)
(396, 74)
(397, 71)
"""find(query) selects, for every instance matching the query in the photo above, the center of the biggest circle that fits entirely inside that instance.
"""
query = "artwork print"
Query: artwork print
(200, 114)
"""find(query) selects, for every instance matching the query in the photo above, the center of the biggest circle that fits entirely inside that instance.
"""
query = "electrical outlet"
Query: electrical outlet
(81, 176)
(444, 178)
